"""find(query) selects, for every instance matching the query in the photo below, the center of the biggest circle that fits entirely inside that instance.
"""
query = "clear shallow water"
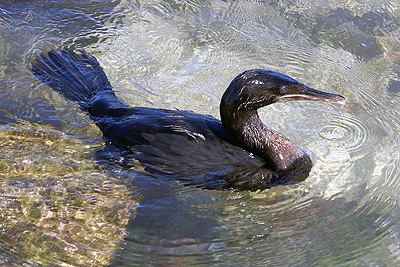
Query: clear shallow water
(62, 206)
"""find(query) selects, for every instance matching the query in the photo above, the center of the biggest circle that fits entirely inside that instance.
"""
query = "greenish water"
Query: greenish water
(63, 206)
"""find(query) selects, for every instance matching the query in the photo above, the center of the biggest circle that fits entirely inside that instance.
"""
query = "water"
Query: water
(62, 206)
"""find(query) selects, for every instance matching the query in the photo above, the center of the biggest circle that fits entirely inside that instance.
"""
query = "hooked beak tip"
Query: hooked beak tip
(341, 101)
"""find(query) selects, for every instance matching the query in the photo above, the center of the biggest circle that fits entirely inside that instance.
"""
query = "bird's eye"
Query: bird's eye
(284, 89)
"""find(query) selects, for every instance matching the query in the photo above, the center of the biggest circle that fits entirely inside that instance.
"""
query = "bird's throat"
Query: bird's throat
(271, 145)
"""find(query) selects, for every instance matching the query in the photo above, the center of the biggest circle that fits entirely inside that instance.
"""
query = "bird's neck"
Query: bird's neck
(266, 143)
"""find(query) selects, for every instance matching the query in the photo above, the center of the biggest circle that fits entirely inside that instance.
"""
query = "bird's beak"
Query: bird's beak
(310, 94)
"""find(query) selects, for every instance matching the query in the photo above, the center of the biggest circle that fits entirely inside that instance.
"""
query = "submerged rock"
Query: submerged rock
(357, 33)
(57, 207)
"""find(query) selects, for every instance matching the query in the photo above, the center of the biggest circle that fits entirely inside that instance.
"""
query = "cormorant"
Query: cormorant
(238, 153)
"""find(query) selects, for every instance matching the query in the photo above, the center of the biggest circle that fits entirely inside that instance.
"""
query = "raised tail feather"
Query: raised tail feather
(76, 77)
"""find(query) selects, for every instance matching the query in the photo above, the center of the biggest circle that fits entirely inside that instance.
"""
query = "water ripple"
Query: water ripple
(351, 133)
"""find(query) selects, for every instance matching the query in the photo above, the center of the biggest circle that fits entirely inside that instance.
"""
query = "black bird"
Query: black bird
(239, 153)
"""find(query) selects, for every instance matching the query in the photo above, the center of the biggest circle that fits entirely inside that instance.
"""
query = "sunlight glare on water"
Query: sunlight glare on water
(58, 197)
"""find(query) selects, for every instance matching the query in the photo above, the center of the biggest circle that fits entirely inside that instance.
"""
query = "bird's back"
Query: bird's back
(183, 144)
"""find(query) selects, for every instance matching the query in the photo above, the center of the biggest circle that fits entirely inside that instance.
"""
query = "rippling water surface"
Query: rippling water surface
(61, 205)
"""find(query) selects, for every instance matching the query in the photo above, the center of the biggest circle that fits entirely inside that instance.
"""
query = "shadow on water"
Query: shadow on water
(60, 205)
